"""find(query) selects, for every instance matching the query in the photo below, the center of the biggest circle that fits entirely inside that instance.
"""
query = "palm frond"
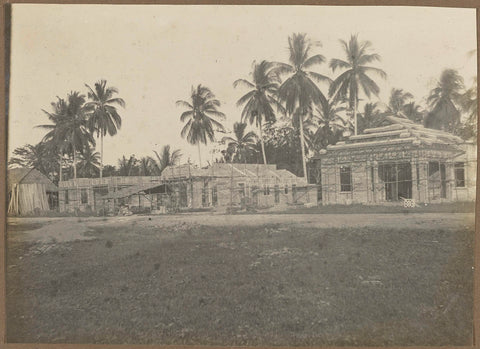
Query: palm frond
(243, 82)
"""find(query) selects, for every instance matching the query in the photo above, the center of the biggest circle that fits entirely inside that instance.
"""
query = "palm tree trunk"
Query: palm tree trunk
(355, 115)
(74, 157)
(101, 154)
(74, 163)
(263, 145)
(302, 142)
(60, 171)
(199, 155)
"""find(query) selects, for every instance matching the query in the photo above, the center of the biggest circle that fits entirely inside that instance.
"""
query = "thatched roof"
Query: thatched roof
(28, 176)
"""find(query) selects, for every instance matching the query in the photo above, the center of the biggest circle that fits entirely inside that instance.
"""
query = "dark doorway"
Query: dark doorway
(397, 178)
(437, 182)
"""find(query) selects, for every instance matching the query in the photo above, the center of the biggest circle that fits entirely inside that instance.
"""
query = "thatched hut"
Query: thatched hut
(30, 191)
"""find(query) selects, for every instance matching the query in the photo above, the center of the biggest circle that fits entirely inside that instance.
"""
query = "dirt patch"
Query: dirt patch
(60, 231)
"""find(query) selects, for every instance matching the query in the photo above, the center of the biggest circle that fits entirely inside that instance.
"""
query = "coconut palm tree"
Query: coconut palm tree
(261, 98)
(89, 163)
(355, 76)
(326, 126)
(398, 100)
(104, 117)
(69, 129)
(370, 117)
(167, 157)
(52, 138)
(241, 143)
(443, 101)
(200, 117)
(299, 91)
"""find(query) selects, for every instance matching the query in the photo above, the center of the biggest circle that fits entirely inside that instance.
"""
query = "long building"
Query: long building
(186, 187)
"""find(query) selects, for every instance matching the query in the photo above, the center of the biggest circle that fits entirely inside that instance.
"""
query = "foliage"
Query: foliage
(144, 166)
(299, 91)
(127, 166)
(355, 76)
(68, 130)
(259, 101)
(167, 157)
(468, 103)
(413, 112)
(240, 145)
(371, 117)
(282, 146)
(397, 101)
(109, 171)
(89, 164)
(39, 156)
(200, 116)
(104, 117)
(443, 100)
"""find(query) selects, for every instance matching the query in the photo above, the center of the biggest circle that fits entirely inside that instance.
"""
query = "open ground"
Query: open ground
(264, 279)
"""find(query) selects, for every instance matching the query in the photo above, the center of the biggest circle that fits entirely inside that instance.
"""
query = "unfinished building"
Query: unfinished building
(402, 161)
(186, 187)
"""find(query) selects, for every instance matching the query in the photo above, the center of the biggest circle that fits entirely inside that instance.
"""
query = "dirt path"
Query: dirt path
(74, 228)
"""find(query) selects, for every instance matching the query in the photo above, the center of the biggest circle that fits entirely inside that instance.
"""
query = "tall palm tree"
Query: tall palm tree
(398, 100)
(443, 100)
(261, 98)
(299, 91)
(355, 76)
(200, 117)
(89, 163)
(69, 129)
(52, 138)
(241, 143)
(104, 118)
(167, 157)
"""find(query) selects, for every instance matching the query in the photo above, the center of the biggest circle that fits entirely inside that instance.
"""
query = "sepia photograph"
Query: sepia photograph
(240, 175)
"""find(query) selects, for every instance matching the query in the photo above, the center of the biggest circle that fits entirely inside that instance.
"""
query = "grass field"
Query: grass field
(173, 280)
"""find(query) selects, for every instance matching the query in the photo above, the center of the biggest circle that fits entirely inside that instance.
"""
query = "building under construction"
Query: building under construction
(398, 162)
(217, 187)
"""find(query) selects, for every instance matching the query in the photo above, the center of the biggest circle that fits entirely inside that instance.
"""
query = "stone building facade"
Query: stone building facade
(401, 161)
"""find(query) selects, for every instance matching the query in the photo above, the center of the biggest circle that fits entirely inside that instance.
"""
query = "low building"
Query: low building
(30, 192)
(403, 160)
(187, 187)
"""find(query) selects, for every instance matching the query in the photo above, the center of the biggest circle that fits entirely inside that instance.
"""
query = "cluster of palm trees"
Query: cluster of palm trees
(75, 120)
(293, 92)
(147, 165)
(290, 104)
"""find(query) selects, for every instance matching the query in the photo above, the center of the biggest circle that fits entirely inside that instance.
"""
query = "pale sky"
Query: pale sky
(154, 53)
